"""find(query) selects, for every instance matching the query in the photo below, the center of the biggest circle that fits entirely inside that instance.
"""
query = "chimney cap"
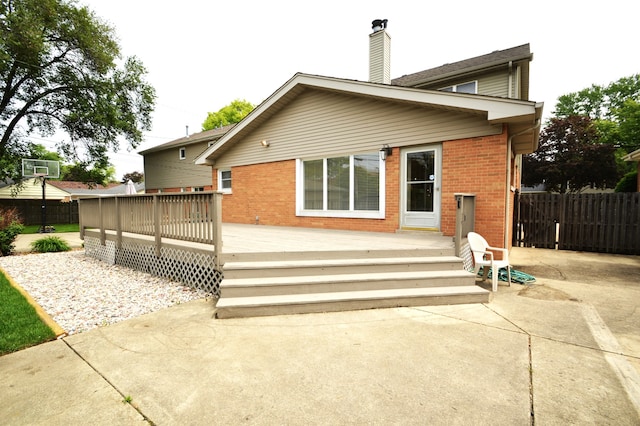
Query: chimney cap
(379, 24)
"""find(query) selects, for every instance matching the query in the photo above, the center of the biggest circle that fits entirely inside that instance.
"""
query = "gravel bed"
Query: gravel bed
(81, 293)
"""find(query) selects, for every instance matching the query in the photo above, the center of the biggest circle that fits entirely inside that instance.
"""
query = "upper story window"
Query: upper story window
(470, 87)
(197, 189)
(182, 153)
(224, 180)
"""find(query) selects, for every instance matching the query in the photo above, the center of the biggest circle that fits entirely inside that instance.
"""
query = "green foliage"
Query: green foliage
(628, 183)
(10, 227)
(135, 177)
(20, 325)
(59, 71)
(599, 102)
(570, 157)
(49, 245)
(92, 175)
(232, 113)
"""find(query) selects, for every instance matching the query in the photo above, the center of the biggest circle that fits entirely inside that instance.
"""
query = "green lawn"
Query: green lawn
(62, 227)
(20, 325)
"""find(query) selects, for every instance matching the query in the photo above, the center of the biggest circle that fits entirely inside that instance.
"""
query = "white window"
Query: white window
(197, 189)
(470, 87)
(224, 180)
(347, 186)
(182, 153)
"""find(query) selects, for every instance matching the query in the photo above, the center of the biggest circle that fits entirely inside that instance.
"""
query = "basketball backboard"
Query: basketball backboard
(40, 168)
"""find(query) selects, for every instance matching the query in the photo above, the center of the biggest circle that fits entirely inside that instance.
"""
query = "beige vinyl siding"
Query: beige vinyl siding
(321, 123)
(165, 169)
(379, 60)
(32, 190)
(495, 84)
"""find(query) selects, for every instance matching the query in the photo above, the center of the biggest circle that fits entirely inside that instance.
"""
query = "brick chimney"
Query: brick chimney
(379, 53)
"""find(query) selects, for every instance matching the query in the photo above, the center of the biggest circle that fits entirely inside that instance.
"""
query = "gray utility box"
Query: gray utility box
(465, 218)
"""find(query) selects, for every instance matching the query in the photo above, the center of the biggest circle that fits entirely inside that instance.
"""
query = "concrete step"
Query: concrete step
(236, 307)
(263, 286)
(298, 267)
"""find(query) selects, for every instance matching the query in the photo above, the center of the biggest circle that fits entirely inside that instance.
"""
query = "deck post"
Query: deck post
(103, 233)
(156, 223)
(118, 224)
(216, 209)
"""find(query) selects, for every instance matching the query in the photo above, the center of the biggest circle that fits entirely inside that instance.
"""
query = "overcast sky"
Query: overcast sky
(201, 55)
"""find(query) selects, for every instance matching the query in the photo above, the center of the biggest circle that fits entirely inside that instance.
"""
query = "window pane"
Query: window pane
(225, 179)
(338, 183)
(312, 184)
(367, 181)
(420, 166)
(466, 88)
(447, 89)
(420, 197)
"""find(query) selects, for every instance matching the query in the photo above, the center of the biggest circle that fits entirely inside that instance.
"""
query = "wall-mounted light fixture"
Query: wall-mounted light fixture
(265, 143)
(385, 152)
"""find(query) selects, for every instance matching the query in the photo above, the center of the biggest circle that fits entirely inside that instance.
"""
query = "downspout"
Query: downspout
(510, 93)
(508, 187)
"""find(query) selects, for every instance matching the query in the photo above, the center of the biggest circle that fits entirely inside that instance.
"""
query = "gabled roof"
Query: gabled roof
(206, 136)
(520, 115)
(632, 156)
(468, 66)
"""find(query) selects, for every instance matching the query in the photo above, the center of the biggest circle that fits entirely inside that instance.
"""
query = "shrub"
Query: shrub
(628, 183)
(10, 227)
(49, 244)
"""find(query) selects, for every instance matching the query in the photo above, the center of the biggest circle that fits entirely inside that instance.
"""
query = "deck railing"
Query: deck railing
(195, 217)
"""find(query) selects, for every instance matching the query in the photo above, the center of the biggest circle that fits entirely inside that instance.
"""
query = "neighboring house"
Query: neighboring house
(79, 189)
(32, 190)
(634, 156)
(383, 155)
(170, 167)
(61, 190)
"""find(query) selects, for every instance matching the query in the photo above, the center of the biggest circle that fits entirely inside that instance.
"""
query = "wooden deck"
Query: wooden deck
(237, 238)
(271, 270)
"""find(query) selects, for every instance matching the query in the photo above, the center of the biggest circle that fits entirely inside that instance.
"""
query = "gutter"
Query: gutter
(508, 179)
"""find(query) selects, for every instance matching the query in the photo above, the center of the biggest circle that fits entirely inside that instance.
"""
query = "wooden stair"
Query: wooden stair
(304, 282)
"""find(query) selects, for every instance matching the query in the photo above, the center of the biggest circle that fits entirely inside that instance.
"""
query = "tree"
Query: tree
(570, 157)
(59, 72)
(232, 113)
(135, 177)
(83, 172)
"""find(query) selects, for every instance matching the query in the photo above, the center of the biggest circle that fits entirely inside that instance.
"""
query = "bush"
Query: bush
(49, 244)
(10, 227)
(628, 183)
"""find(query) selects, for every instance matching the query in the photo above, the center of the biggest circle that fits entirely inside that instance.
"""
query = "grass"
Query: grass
(20, 325)
(62, 227)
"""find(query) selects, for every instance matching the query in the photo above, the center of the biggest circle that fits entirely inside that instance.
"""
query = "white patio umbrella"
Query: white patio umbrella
(130, 189)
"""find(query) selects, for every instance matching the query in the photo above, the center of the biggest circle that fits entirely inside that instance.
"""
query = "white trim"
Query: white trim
(182, 153)
(220, 188)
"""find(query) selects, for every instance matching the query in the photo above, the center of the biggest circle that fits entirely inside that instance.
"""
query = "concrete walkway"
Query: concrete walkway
(566, 350)
(23, 241)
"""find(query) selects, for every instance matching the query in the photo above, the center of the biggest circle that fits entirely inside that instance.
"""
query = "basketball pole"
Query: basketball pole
(43, 229)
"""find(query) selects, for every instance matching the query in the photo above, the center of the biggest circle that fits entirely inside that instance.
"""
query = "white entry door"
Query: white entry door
(420, 192)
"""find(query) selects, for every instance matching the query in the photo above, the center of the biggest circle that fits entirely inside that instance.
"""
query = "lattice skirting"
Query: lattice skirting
(193, 269)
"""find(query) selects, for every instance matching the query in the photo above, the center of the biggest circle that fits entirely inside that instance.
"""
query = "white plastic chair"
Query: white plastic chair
(483, 256)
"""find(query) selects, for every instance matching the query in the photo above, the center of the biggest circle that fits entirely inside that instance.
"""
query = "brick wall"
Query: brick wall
(476, 166)
(266, 194)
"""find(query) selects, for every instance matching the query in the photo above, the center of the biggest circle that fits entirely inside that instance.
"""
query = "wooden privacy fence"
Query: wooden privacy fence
(194, 217)
(31, 210)
(604, 223)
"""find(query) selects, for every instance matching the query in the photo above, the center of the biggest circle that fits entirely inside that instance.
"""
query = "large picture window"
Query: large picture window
(346, 186)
